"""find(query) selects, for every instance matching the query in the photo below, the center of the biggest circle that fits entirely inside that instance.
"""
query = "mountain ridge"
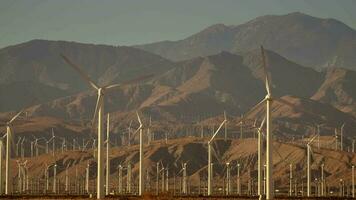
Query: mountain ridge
(310, 41)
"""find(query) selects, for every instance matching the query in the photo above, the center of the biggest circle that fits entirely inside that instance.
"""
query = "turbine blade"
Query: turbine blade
(263, 122)
(264, 64)
(312, 139)
(135, 80)
(98, 103)
(215, 154)
(134, 133)
(251, 110)
(81, 72)
(138, 118)
(14, 117)
(12, 141)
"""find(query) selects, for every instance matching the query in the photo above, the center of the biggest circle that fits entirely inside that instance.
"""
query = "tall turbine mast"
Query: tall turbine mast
(209, 156)
(107, 154)
(268, 100)
(9, 141)
(1, 157)
(140, 184)
(269, 143)
(259, 163)
(308, 166)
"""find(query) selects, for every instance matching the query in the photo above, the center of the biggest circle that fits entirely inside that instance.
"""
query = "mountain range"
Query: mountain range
(218, 69)
(309, 41)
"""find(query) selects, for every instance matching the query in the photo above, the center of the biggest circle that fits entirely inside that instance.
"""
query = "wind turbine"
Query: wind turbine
(259, 162)
(53, 142)
(238, 179)
(9, 141)
(269, 99)
(228, 179)
(1, 157)
(342, 137)
(308, 166)
(87, 178)
(107, 154)
(129, 134)
(31, 147)
(18, 147)
(353, 181)
(55, 178)
(99, 112)
(22, 150)
(185, 188)
(66, 179)
(140, 183)
(120, 179)
(209, 156)
(128, 178)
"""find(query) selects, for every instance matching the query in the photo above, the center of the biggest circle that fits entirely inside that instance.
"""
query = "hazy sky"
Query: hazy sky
(127, 22)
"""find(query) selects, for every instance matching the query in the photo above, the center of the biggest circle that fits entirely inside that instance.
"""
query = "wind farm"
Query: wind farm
(265, 109)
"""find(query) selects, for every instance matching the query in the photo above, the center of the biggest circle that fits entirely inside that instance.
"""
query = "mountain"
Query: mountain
(307, 40)
(179, 93)
(204, 87)
(218, 82)
(36, 69)
(338, 90)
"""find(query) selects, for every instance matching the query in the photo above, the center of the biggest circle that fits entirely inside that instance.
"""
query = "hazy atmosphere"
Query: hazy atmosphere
(128, 22)
(173, 100)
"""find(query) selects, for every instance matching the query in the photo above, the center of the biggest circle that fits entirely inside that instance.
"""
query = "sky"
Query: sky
(129, 22)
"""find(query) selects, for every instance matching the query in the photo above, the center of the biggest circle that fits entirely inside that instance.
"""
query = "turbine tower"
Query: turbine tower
(99, 112)
(308, 166)
(9, 141)
(269, 99)
(259, 162)
(269, 143)
(140, 183)
(107, 182)
(1, 154)
(209, 156)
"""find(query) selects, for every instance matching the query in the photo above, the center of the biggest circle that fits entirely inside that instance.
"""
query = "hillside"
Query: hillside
(36, 68)
(310, 41)
(338, 90)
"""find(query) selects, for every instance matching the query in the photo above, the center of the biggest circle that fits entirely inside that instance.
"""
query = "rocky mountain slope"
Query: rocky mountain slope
(338, 90)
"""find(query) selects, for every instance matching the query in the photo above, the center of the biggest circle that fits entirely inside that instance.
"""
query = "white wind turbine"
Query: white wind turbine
(107, 154)
(1, 158)
(99, 112)
(268, 100)
(53, 142)
(342, 137)
(9, 142)
(209, 156)
(18, 147)
(140, 176)
(259, 162)
(309, 152)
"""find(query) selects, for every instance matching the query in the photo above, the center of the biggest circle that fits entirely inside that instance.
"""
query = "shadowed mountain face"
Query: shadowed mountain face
(197, 88)
(36, 66)
(307, 40)
(206, 86)
(200, 86)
